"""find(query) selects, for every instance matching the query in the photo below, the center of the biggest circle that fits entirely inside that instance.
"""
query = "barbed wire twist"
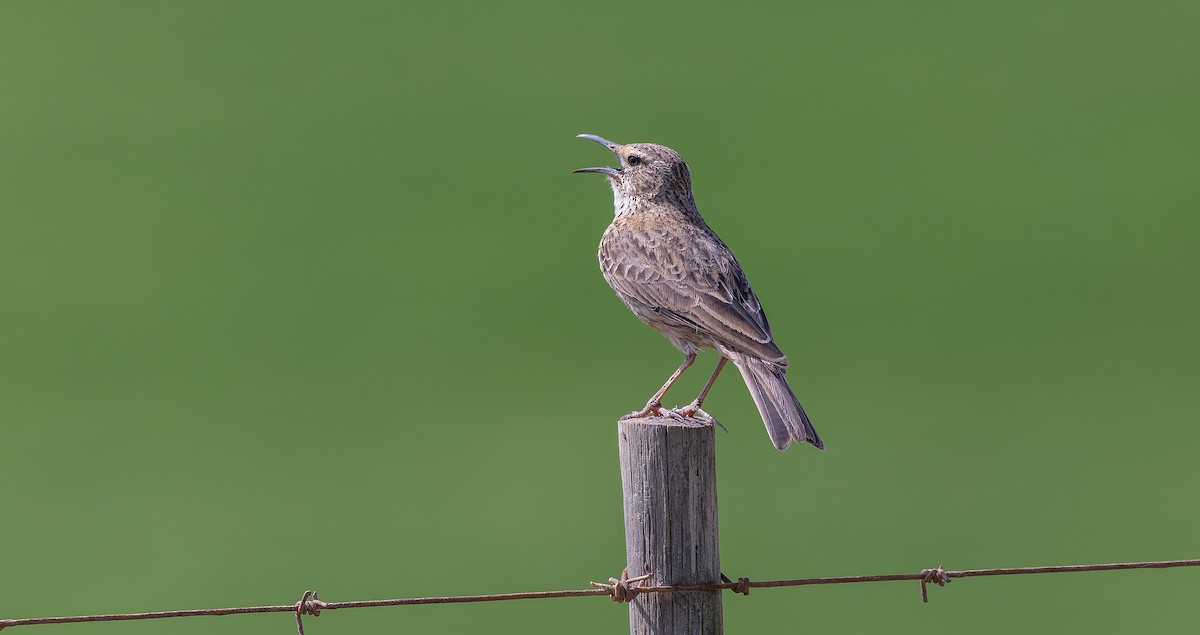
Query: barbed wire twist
(741, 586)
(927, 576)
(622, 589)
(307, 607)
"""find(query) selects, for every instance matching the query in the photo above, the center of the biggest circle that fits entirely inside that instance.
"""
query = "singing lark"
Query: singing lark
(677, 276)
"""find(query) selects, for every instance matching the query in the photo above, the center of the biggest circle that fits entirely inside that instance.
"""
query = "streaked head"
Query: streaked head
(648, 172)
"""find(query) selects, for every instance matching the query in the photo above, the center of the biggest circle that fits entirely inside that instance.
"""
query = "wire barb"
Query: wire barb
(741, 586)
(622, 590)
(307, 607)
(930, 576)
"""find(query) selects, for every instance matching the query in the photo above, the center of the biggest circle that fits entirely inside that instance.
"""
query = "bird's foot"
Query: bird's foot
(693, 411)
(654, 409)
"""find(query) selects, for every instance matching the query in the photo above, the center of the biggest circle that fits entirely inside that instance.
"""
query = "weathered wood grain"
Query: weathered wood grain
(669, 479)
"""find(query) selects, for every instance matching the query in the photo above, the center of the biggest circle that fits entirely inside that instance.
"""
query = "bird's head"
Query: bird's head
(648, 174)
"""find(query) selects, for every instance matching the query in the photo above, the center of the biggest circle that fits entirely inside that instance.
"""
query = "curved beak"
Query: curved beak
(605, 170)
(611, 145)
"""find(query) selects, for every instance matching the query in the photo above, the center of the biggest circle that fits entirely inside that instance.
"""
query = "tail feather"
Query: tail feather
(780, 410)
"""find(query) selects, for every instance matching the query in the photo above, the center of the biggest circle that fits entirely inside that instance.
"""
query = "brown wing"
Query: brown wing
(684, 273)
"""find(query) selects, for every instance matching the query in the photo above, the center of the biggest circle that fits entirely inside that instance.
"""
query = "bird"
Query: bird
(677, 276)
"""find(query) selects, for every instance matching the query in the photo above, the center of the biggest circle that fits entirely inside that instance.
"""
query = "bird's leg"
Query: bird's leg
(654, 406)
(694, 407)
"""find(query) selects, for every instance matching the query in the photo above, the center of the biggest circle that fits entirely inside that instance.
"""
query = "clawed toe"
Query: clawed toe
(693, 411)
(690, 411)
(652, 409)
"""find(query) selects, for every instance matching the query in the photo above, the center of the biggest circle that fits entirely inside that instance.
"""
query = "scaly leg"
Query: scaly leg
(694, 407)
(654, 406)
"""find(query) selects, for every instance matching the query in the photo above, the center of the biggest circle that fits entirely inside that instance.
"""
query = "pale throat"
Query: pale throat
(623, 203)
(626, 203)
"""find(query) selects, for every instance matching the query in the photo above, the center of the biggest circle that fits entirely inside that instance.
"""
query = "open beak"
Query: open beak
(612, 146)
(605, 170)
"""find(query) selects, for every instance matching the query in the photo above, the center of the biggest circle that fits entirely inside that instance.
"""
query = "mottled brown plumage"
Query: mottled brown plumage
(677, 276)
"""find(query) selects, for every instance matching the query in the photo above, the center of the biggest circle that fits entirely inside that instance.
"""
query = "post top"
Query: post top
(669, 422)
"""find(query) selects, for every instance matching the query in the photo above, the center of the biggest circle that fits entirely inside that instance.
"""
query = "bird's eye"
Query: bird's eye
(633, 160)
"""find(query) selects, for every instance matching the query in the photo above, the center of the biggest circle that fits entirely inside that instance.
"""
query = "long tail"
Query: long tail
(777, 404)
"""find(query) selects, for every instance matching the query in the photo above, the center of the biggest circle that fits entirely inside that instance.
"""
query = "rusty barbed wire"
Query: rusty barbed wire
(741, 586)
(307, 607)
(622, 589)
(928, 576)
(309, 603)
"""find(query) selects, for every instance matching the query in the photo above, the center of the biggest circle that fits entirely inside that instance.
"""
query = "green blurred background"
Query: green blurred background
(303, 295)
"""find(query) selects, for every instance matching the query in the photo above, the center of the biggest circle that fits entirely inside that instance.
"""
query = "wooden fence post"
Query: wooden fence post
(669, 480)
